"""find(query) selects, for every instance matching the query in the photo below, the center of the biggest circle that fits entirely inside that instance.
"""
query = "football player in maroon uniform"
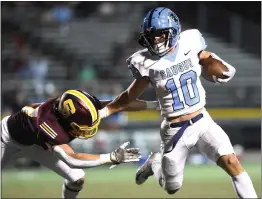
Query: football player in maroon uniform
(43, 131)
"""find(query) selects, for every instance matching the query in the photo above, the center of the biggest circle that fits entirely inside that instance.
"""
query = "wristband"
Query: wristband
(105, 158)
(104, 112)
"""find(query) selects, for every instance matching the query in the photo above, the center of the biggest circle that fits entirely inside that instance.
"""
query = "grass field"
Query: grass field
(200, 181)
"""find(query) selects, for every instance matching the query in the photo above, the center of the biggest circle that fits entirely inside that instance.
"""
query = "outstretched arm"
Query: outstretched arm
(83, 160)
(141, 105)
(123, 101)
(79, 160)
(137, 105)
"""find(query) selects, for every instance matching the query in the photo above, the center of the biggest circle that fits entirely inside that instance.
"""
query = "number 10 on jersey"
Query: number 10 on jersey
(179, 100)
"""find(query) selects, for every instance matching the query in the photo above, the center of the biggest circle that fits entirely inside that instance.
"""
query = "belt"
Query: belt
(183, 125)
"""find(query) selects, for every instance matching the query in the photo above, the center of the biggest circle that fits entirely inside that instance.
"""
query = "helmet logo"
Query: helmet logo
(173, 17)
(69, 108)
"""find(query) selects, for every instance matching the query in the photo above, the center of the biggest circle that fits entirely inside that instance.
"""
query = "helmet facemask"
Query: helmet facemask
(163, 45)
(160, 21)
(84, 132)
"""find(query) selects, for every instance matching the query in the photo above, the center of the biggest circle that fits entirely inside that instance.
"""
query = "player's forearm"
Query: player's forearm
(81, 160)
(119, 104)
(137, 105)
(105, 102)
(141, 105)
(85, 156)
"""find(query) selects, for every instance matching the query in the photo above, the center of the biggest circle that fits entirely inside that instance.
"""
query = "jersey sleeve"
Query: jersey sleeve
(193, 40)
(53, 133)
(48, 130)
(35, 105)
(200, 43)
(46, 135)
(135, 72)
(136, 66)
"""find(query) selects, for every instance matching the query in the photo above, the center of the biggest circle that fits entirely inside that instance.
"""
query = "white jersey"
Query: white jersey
(175, 76)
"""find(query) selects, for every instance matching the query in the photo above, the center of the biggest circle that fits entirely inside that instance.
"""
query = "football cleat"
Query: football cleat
(145, 171)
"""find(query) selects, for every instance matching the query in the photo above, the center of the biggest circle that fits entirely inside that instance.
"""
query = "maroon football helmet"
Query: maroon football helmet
(80, 110)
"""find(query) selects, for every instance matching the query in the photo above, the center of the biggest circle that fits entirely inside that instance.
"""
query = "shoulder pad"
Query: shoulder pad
(45, 111)
(193, 39)
(136, 64)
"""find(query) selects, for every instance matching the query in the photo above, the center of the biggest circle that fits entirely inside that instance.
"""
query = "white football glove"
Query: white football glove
(230, 73)
(123, 155)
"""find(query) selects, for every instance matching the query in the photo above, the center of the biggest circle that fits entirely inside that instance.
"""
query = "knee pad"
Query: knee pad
(75, 186)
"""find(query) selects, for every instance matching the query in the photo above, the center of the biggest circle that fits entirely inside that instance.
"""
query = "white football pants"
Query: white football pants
(205, 134)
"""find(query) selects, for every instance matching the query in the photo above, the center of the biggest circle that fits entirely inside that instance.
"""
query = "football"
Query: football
(213, 67)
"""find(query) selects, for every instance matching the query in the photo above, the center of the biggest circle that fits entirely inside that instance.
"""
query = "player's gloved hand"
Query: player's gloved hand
(229, 74)
(123, 154)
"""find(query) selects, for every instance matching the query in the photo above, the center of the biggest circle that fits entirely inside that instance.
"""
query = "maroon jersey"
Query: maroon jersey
(39, 124)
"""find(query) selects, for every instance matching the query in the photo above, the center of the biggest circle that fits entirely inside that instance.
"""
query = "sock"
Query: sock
(157, 170)
(68, 192)
(243, 186)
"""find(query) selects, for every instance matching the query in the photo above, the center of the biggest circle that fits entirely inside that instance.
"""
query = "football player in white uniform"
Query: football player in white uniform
(171, 63)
